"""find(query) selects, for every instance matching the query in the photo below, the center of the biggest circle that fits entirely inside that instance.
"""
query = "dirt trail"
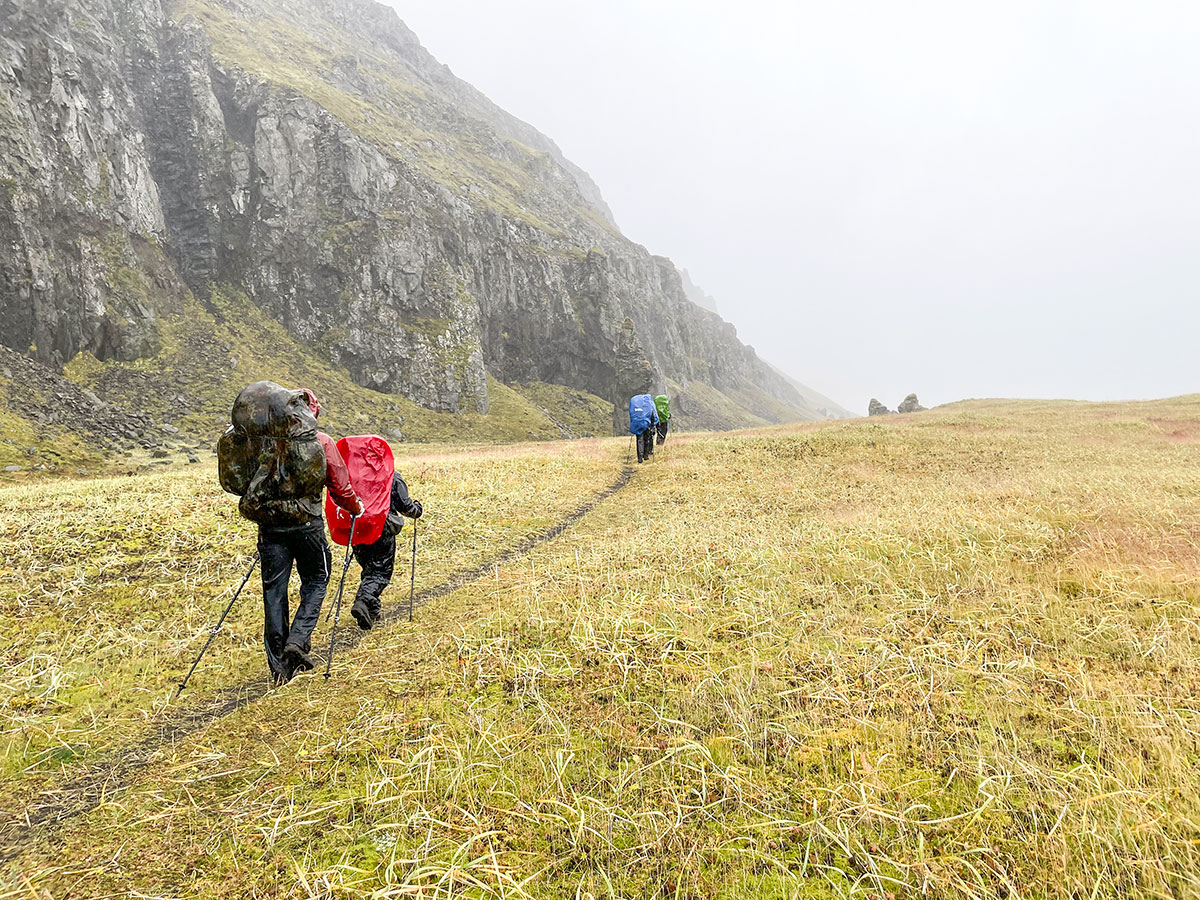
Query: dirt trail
(88, 790)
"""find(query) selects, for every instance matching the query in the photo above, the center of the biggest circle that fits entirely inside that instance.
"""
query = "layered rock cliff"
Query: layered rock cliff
(312, 157)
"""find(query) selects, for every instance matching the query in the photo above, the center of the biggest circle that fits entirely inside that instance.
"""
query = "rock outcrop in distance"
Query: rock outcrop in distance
(310, 159)
(908, 405)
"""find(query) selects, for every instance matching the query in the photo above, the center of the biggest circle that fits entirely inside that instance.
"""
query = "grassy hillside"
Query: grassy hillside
(217, 347)
(209, 352)
(952, 654)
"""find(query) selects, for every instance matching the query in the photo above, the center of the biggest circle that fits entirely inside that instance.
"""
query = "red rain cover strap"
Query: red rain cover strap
(369, 459)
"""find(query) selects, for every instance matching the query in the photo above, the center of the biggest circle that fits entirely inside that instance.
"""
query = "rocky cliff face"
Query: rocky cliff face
(313, 156)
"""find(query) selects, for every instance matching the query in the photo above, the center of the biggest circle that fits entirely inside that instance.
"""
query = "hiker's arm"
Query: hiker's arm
(401, 502)
(337, 478)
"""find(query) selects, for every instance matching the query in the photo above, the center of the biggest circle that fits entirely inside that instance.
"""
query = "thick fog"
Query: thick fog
(957, 198)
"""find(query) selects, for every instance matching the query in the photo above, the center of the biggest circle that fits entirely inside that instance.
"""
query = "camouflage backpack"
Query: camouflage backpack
(270, 456)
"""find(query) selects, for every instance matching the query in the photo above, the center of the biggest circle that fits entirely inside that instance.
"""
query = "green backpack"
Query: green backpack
(663, 405)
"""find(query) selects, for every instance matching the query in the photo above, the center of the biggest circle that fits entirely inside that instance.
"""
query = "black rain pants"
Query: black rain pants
(663, 425)
(278, 549)
(645, 444)
(378, 561)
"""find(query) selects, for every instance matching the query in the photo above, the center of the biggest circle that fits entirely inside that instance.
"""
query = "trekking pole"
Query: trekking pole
(221, 621)
(412, 581)
(338, 609)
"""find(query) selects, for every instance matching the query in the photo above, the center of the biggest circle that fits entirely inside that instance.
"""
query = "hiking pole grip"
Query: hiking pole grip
(412, 580)
(216, 628)
(337, 614)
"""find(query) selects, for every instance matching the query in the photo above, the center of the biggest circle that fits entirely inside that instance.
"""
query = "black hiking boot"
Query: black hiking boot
(298, 657)
(362, 615)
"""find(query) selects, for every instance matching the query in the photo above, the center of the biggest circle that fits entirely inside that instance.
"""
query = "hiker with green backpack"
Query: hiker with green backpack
(274, 457)
(663, 404)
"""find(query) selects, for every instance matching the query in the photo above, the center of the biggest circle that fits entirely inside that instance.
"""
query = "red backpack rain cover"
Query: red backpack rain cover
(369, 459)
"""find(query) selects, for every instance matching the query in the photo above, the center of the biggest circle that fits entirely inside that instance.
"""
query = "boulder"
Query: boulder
(909, 405)
(877, 409)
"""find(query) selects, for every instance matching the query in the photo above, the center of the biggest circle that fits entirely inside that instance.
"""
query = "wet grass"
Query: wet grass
(944, 655)
(110, 585)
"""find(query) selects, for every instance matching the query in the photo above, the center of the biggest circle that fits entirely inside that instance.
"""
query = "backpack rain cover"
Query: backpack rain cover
(270, 456)
(369, 459)
(663, 404)
(641, 413)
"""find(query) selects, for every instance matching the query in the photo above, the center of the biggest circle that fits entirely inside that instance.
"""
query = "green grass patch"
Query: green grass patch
(948, 655)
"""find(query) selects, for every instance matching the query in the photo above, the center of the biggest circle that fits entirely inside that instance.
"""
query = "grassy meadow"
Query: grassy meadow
(952, 654)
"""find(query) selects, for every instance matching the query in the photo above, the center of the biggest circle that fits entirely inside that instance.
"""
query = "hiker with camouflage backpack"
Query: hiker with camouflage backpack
(276, 460)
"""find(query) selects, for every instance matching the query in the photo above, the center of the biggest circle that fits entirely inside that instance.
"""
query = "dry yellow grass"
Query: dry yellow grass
(945, 655)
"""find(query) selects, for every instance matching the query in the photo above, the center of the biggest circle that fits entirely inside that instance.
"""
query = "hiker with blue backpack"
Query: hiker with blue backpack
(643, 424)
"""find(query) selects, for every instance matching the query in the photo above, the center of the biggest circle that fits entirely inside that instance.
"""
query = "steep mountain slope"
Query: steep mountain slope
(310, 157)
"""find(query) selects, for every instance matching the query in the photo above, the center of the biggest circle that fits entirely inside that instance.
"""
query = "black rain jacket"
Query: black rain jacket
(401, 505)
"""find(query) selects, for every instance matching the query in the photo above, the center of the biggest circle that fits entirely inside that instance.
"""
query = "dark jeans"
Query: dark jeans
(645, 444)
(662, 432)
(278, 548)
(378, 560)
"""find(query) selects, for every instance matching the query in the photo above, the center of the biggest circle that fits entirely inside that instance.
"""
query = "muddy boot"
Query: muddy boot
(362, 615)
(298, 657)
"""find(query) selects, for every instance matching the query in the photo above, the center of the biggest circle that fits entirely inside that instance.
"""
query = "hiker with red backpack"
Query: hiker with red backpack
(274, 457)
(372, 538)
(378, 559)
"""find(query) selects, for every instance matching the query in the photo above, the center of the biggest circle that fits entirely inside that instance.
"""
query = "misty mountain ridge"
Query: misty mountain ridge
(696, 294)
(203, 192)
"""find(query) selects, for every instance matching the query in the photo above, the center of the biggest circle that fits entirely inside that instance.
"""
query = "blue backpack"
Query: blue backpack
(641, 413)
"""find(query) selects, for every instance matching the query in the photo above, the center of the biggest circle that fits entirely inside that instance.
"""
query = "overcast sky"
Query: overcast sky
(962, 199)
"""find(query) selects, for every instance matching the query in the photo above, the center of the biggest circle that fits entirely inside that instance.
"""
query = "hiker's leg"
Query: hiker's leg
(662, 432)
(641, 446)
(275, 557)
(360, 610)
(378, 561)
(313, 562)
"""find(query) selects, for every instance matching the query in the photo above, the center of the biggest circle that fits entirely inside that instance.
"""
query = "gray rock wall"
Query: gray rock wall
(134, 159)
(79, 208)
